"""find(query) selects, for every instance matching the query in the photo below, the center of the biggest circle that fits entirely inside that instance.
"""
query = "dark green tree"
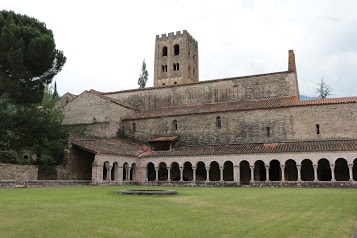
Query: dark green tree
(143, 76)
(28, 58)
(323, 90)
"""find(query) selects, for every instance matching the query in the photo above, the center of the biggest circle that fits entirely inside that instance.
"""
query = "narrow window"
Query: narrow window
(318, 129)
(164, 51)
(134, 127)
(268, 131)
(165, 67)
(177, 66)
(218, 122)
(174, 125)
(174, 65)
(176, 49)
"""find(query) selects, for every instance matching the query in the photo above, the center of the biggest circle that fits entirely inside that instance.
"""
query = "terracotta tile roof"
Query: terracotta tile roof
(163, 138)
(259, 148)
(128, 148)
(236, 106)
(111, 146)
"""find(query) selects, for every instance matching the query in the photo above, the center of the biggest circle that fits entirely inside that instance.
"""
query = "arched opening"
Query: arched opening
(176, 49)
(115, 171)
(259, 171)
(187, 171)
(201, 173)
(274, 170)
(354, 170)
(341, 170)
(150, 170)
(290, 170)
(164, 51)
(125, 171)
(324, 170)
(218, 122)
(214, 172)
(244, 171)
(228, 171)
(162, 172)
(174, 125)
(133, 172)
(175, 172)
(105, 170)
(307, 170)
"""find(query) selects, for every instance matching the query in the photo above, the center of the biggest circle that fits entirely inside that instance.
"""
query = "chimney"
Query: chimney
(291, 63)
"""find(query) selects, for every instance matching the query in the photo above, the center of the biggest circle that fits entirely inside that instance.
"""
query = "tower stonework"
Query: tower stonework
(176, 59)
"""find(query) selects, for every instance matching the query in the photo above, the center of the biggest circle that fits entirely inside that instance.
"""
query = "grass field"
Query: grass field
(194, 212)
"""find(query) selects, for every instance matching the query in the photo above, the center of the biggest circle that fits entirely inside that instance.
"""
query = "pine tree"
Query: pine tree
(323, 90)
(143, 76)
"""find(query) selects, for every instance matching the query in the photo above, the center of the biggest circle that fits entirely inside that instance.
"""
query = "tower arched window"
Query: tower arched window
(174, 125)
(174, 65)
(218, 122)
(176, 49)
(164, 51)
(164, 68)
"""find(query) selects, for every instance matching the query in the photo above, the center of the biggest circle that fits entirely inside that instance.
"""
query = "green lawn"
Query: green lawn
(194, 212)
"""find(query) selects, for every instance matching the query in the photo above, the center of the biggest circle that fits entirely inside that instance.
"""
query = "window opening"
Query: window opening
(318, 129)
(268, 131)
(164, 51)
(218, 122)
(174, 125)
(176, 49)
(134, 127)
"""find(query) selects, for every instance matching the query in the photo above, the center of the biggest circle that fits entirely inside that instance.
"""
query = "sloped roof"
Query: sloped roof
(236, 106)
(111, 146)
(100, 94)
(128, 148)
(259, 148)
(163, 138)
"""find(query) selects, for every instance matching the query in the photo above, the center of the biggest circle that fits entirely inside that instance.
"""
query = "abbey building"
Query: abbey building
(251, 130)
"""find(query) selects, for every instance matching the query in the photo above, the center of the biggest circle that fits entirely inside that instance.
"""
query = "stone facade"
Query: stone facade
(19, 173)
(250, 130)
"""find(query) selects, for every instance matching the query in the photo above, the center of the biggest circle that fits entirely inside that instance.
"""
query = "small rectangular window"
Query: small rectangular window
(268, 132)
(318, 129)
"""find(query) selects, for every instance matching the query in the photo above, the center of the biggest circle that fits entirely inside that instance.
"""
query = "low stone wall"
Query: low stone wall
(305, 184)
(7, 183)
(20, 173)
(56, 183)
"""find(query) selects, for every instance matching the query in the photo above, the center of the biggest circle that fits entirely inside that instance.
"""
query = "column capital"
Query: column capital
(298, 166)
(332, 166)
(194, 168)
(157, 168)
(180, 167)
(267, 166)
(168, 168)
(236, 166)
(207, 167)
(350, 165)
(282, 166)
(251, 166)
(315, 166)
(221, 167)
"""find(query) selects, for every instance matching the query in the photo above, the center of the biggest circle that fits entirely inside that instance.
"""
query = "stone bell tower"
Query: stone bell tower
(176, 59)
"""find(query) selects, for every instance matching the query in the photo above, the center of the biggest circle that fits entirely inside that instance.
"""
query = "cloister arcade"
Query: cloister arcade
(243, 171)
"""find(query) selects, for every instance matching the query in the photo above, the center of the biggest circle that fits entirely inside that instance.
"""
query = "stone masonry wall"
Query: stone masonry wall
(98, 117)
(286, 124)
(235, 89)
(79, 164)
(20, 173)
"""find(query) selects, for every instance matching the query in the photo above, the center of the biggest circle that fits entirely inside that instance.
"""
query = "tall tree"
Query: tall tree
(143, 76)
(28, 57)
(323, 90)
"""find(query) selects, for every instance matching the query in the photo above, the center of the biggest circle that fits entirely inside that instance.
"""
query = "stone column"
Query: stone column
(97, 173)
(267, 173)
(207, 173)
(350, 167)
(282, 168)
(252, 173)
(298, 167)
(315, 172)
(168, 174)
(221, 168)
(109, 172)
(128, 173)
(236, 174)
(120, 173)
(332, 166)
(181, 173)
(194, 174)
(157, 174)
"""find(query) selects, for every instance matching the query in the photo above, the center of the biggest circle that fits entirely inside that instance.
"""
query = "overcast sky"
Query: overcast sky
(106, 41)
